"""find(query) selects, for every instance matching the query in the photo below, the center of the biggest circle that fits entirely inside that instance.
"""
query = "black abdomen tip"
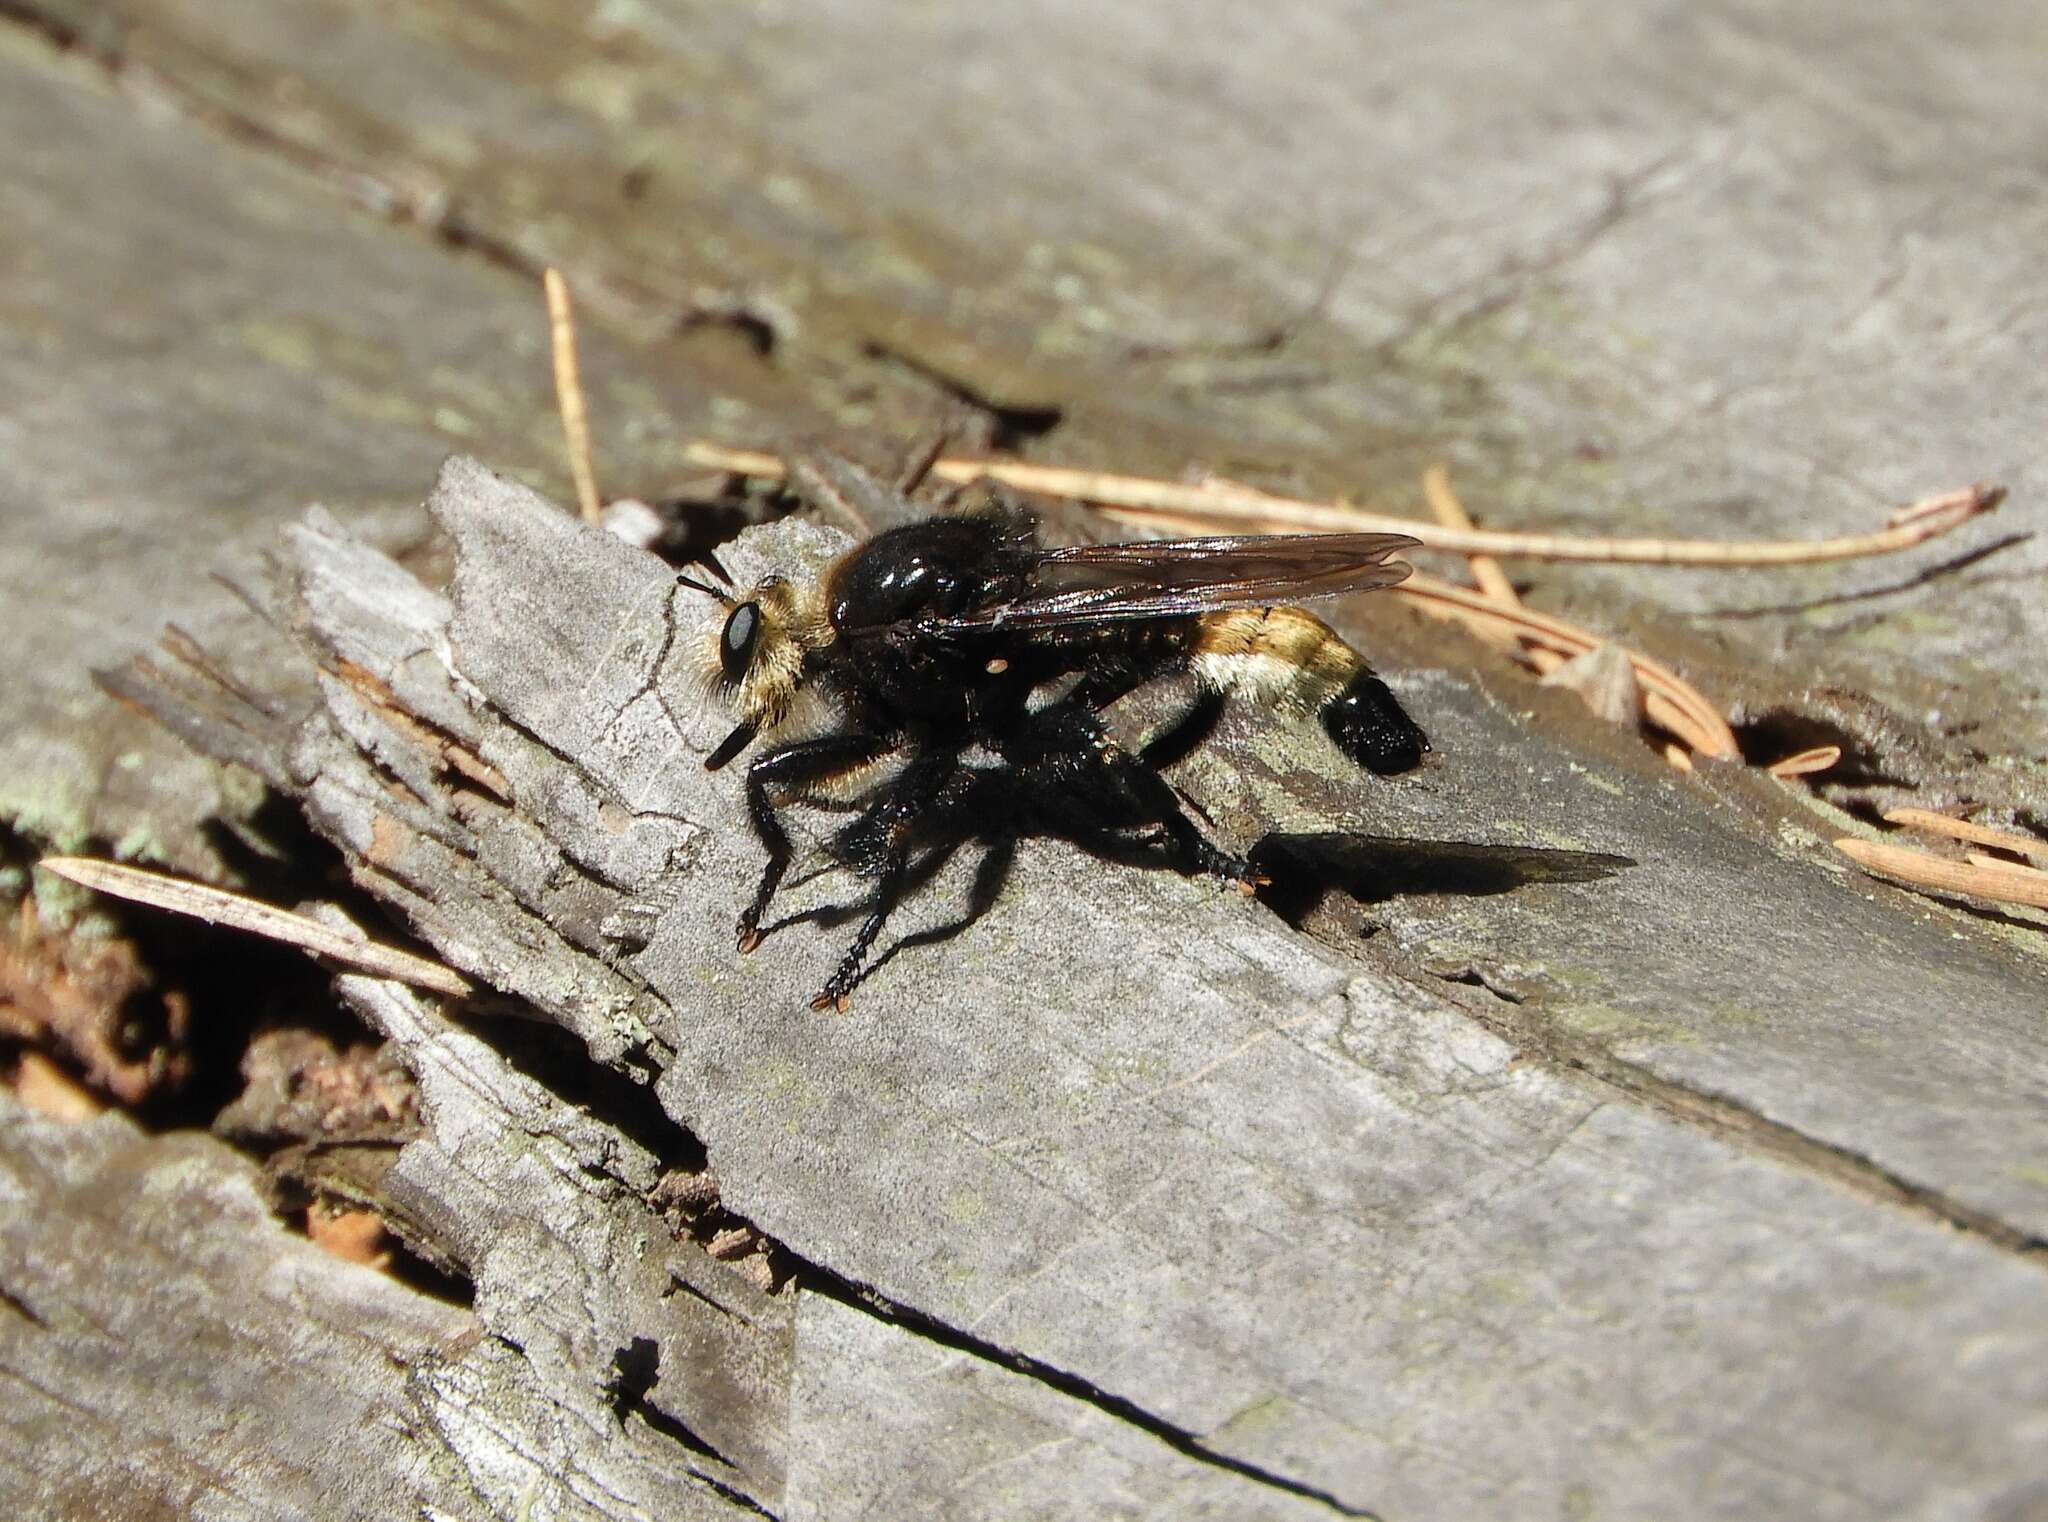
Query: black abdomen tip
(1370, 726)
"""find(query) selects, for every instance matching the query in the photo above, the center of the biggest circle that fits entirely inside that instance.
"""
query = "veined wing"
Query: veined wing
(1168, 578)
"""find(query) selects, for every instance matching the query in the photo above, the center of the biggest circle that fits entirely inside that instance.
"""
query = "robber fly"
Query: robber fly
(969, 668)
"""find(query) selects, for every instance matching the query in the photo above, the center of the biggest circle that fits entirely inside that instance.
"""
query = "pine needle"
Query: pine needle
(2001, 883)
(1202, 505)
(569, 398)
(1965, 829)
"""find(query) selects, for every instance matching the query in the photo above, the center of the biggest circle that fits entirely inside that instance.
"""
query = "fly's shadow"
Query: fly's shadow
(1306, 868)
(1001, 807)
(992, 809)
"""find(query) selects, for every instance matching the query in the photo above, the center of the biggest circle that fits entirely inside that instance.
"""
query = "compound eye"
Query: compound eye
(736, 644)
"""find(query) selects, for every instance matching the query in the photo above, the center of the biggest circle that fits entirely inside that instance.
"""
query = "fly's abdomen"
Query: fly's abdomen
(1371, 727)
(1290, 661)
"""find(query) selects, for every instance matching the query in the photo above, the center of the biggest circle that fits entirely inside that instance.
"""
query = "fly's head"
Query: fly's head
(757, 660)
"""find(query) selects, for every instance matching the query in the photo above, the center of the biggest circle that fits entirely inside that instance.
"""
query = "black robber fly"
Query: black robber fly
(966, 669)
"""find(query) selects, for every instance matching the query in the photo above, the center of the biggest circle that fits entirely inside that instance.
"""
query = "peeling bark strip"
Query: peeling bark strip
(1131, 1198)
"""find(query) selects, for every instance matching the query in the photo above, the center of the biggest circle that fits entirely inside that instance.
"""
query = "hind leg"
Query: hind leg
(1161, 805)
(1086, 784)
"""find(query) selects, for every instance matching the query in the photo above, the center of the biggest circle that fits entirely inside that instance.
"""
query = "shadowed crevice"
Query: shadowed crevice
(636, 1370)
(1011, 425)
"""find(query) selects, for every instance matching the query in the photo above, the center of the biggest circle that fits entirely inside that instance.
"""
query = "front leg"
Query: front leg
(791, 767)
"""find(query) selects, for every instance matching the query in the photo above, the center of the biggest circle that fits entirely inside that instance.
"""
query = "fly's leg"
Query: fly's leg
(791, 767)
(888, 893)
(885, 834)
(1124, 792)
(1148, 798)
(1159, 804)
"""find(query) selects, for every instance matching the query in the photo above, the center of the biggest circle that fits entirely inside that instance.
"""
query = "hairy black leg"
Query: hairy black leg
(990, 873)
(884, 835)
(1106, 790)
(888, 893)
(1157, 803)
(972, 805)
(922, 869)
(792, 766)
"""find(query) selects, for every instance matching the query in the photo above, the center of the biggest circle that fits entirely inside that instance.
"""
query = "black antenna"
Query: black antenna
(697, 586)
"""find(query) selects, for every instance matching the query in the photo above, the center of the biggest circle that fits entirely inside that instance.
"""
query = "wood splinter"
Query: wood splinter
(237, 911)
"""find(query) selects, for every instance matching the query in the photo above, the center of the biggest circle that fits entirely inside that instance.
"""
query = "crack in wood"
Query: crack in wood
(1758, 1133)
(1515, 1018)
(1182, 1440)
(21, 1307)
(686, 1287)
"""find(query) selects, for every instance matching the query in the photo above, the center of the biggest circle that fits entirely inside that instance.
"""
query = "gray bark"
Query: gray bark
(168, 1349)
(1643, 1153)
(1281, 1203)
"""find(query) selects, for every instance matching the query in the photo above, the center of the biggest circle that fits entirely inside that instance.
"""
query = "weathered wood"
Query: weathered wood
(1735, 1192)
(197, 341)
(168, 1349)
(549, 1208)
(1282, 1203)
(1720, 270)
(168, 1344)
(641, 1367)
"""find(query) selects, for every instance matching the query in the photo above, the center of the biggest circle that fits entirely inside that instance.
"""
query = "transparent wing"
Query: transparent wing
(1168, 578)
